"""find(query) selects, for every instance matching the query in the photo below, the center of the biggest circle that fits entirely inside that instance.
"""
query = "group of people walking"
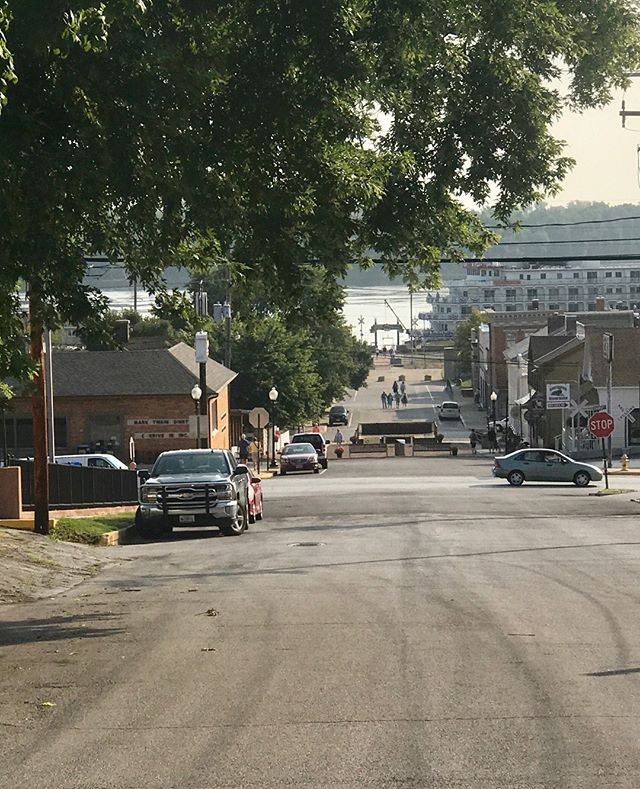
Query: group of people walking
(397, 395)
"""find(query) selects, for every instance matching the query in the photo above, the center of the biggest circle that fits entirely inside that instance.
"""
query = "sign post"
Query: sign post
(601, 426)
(259, 418)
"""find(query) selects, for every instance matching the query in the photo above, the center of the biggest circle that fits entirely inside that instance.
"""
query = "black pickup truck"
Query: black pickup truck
(194, 487)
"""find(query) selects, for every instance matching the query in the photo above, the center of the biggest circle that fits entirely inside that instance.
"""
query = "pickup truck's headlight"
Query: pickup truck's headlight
(225, 492)
(149, 495)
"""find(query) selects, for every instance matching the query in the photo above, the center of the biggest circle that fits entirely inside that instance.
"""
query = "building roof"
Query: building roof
(626, 359)
(540, 345)
(159, 371)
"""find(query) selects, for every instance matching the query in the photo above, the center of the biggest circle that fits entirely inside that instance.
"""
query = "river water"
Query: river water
(373, 304)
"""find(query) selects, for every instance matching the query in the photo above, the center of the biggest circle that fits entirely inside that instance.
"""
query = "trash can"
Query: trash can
(401, 448)
(454, 451)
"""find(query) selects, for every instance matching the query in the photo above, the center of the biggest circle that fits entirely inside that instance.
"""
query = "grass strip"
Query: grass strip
(88, 530)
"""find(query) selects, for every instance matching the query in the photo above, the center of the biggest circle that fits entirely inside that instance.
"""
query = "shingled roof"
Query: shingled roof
(159, 371)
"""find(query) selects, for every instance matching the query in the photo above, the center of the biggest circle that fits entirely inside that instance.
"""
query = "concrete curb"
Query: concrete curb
(114, 537)
(24, 524)
(620, 473)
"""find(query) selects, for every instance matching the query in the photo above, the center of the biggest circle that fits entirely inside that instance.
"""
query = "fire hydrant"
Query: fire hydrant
(624, 462)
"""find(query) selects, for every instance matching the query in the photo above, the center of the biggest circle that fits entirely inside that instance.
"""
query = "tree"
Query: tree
(462, 339)
(286, 135)
(267, 353)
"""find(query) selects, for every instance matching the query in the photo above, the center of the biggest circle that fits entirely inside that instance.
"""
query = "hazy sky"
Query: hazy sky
(606, 154)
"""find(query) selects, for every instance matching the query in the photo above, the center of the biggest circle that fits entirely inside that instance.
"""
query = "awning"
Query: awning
(524, 400)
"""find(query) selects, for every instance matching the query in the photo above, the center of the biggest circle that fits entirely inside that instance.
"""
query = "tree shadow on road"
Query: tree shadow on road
(57, 628)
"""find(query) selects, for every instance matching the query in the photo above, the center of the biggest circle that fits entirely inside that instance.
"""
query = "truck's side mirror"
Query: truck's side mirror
(143, 475)
(241, 469)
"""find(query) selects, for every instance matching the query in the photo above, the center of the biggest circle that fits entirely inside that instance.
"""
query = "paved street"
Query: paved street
(424, 396)
(391, 623)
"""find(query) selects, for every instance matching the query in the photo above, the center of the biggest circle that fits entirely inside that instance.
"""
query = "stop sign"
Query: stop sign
(601, 424)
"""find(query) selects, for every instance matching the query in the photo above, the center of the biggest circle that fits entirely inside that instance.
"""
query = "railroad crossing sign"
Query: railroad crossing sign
(578, 409)
(258, 417)
(625, 413)
(601, 424)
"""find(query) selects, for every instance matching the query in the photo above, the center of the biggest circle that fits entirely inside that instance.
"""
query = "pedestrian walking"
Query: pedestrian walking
(389, 400)
(395, 387)
(397, 399)
(473, 440)
(383, 397)
(491, 437)
(404, 399)
(339, 437)
(403, 387)
(243, 449)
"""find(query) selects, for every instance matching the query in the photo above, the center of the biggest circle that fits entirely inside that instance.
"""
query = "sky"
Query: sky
(606, 154)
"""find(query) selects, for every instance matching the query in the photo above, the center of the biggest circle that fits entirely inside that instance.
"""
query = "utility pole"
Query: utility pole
(39, 410)
(624, 112)
(226, 312)
(51, 431)
(202, 355)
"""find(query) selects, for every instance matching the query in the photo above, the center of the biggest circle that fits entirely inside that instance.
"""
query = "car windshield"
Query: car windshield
(312, 439)
(191, 463)
(298, 449)
(338, 409)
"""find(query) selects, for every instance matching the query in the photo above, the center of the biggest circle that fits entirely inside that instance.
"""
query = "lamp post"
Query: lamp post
(196, 394)
(493, 397)
(273, 396)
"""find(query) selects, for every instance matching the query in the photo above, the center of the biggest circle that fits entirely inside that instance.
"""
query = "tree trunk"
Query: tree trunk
(39, 410)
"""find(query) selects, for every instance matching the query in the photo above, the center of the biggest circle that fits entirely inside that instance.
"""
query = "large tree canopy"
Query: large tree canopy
(278, 135)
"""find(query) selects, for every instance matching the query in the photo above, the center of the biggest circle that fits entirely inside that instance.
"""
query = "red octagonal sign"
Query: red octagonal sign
(601, 424)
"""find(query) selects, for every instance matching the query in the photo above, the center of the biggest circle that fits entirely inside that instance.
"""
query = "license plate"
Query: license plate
(187, 518)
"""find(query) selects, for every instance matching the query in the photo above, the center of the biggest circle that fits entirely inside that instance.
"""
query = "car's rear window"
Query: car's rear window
(298, 449)
(450, 405)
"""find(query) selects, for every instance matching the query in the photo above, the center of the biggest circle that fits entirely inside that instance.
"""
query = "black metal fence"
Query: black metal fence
(77, 486)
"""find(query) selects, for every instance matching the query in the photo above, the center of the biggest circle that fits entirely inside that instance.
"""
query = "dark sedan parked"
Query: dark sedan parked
(299, 457)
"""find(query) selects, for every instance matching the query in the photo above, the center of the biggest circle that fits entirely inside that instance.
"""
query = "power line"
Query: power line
(570, 224)
(567, 241)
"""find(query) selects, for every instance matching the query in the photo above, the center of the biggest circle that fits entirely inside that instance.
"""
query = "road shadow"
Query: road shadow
(133, 536)
(57, 628)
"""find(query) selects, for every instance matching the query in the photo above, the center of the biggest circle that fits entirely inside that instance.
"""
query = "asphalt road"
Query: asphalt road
(391, 623)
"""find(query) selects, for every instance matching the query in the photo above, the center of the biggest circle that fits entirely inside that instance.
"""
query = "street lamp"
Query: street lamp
(273, 396)
(196, 394)
(493, 397)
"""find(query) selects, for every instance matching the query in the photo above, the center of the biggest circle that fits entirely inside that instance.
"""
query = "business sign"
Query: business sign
(607, 346)
(146, 421)
(558, 396)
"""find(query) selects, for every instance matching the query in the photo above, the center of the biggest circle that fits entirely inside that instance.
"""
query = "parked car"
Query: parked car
(256, 501)
(317, 442)
(544, 465)
(195, 487)
(449, 410)
(97, 460)
(299, 457)
(338, 415)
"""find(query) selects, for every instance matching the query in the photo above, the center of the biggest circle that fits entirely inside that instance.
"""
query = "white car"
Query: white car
(449, 410)
(97, 460)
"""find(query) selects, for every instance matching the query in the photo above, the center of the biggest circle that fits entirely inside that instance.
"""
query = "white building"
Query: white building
(503, 286)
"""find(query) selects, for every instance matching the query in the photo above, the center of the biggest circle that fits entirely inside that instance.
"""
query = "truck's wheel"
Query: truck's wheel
(235, 526)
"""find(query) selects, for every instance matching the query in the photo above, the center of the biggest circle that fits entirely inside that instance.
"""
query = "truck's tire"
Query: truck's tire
(235, 526)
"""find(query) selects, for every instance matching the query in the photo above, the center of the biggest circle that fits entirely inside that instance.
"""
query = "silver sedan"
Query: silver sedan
(544, 465)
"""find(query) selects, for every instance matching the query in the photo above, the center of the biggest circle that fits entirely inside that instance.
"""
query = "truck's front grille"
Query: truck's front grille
(174, 497)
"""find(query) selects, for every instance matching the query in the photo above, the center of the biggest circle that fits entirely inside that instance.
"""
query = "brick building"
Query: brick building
(103, 399)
